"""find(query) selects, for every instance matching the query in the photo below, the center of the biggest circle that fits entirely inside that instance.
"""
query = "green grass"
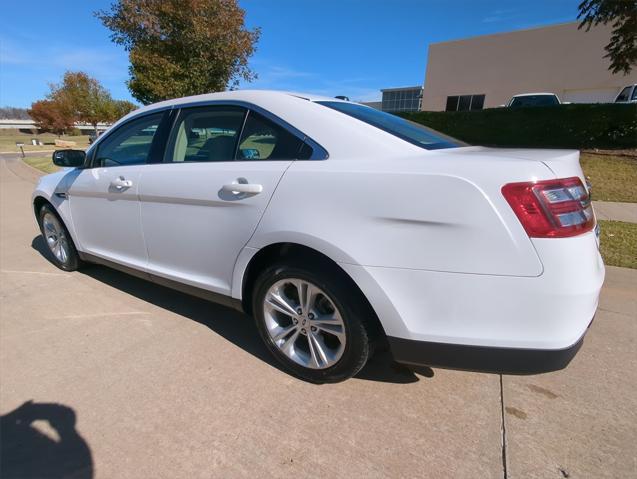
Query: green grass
(618, 243)
(9, 139)
(614, 178)
(42, 163)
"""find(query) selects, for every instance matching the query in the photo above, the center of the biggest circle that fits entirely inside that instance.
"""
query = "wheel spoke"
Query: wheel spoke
(333, 328)
(282, 333)
(278, 302)
(316, 350)
(307, 292)
(63, 255)
(288, 344)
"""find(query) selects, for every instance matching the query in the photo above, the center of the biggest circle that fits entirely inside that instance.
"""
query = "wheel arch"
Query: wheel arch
(38, 202)
(58, 205)
(295, 252)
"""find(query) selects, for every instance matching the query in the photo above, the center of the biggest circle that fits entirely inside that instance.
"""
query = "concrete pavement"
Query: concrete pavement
(615, 211)
(129, 379)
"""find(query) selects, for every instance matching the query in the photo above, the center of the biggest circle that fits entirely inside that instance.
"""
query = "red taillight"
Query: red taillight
(552, 208)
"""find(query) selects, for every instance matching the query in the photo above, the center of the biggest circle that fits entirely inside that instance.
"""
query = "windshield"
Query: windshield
(535, 100)
(406, 130)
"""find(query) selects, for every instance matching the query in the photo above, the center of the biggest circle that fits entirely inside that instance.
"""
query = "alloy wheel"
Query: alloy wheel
(55, 237)
(304, 323)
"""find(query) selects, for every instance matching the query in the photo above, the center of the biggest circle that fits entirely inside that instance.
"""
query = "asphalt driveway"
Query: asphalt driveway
(105, 375)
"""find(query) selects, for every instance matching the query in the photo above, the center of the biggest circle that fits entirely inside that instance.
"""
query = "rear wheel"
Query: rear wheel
(311, 322)
(58, 240)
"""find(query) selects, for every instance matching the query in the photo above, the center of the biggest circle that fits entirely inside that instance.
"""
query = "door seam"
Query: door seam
(256, 227)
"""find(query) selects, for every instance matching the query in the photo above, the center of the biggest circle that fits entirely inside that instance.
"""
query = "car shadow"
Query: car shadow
(232, 325)
(40, 440)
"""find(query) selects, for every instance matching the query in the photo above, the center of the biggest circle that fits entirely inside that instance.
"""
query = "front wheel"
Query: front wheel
(58, 240)
(311, 322)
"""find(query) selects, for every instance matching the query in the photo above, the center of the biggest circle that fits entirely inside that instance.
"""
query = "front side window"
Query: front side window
(409, 131)
(130, 144)
(623, 96)
(263, 139)
(634, 97)
(203, 134)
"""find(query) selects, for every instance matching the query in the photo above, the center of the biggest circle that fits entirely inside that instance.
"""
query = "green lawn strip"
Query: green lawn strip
(618, 243)
(42, 163)
(614, 178)
(8, 141)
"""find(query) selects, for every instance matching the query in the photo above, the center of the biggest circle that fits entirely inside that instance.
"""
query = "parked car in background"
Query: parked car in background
(339, 228)
(534, 99)
(628, 94)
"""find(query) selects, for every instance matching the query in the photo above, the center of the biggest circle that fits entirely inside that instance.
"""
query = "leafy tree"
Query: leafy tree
(622, 49)
(181, 47)
(85, 97)
(121, 108)
(50, 115)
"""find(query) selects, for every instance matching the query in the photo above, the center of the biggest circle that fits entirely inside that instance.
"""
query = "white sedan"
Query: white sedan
(340, 228)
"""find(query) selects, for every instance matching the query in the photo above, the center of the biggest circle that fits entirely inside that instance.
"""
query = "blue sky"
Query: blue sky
(343, 47)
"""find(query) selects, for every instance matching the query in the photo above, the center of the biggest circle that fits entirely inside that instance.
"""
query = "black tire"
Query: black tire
(72, 261)
(358, 333)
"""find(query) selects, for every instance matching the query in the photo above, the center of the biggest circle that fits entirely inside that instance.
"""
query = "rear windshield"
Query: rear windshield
(409, 131)
(535, 100)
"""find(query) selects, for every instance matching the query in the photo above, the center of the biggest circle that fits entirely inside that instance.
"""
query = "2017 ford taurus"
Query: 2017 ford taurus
(339, 228)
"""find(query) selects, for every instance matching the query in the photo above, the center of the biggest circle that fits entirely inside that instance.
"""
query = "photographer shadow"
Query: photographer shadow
(40, 440)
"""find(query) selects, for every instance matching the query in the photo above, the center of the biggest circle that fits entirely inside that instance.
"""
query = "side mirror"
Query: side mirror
(69, 158)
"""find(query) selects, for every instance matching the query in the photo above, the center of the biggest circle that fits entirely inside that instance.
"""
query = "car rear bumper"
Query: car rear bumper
(490, 322)
(482, 358)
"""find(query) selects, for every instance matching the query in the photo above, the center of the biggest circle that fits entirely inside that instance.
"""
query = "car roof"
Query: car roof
(534, 94)
(340, 134)
(240, 95)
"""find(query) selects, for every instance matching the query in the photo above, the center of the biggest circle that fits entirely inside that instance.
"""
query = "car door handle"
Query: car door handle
(247, 188)
(120, 183)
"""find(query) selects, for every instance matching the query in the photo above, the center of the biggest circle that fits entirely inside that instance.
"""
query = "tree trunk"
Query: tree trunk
(95, 128)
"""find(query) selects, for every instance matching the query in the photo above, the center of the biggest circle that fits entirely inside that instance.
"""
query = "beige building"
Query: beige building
(486, 71)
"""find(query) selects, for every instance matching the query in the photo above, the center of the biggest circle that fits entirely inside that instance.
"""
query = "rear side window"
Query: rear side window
(535, 100)
(130, 144)
(409, 131)
(263, 139)
(204, 134)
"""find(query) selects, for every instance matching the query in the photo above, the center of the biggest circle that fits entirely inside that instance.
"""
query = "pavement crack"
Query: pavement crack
(503, 431)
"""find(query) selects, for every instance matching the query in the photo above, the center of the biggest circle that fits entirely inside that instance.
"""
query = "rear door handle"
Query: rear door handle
(246, 188)
(120, 183)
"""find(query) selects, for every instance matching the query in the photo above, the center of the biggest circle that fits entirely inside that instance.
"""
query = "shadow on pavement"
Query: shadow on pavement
(40, 440)
(228, 323)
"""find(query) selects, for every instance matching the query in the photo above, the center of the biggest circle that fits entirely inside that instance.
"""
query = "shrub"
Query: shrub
(606, 126)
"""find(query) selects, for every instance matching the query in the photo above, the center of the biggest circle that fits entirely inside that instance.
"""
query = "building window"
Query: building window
(465, 103)
(408, 99)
